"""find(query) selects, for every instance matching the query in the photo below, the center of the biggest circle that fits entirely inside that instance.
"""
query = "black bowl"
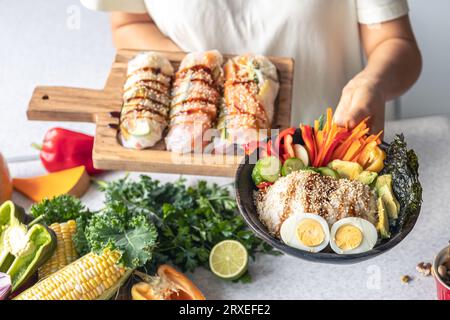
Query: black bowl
(244, 196)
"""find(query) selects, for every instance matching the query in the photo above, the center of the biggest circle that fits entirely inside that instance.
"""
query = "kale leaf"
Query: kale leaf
(117, 228)
(190, 220)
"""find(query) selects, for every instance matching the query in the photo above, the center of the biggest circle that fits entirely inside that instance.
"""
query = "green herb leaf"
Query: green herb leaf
(117, 228)
(59, 209)
(189, 220)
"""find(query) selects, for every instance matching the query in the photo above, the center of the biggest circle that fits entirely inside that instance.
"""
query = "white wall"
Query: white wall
(431, 94)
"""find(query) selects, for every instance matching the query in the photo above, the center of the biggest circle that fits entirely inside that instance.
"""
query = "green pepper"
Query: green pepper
(40, 247)
(23, 248)
(10, 215)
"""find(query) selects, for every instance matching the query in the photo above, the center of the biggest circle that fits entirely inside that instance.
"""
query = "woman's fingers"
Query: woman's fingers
(360, 99)
(344, 113)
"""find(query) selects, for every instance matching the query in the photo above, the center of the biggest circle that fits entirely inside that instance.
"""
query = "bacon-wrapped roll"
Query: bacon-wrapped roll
(195, 98)
(146, 100)
(251, 87)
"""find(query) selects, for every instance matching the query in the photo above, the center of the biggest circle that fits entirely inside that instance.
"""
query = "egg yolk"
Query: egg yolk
(348, 237)
(310, 233)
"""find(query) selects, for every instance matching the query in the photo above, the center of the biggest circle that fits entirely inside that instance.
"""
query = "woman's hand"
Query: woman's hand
(394, 64)
(361, 97)
(138, 31)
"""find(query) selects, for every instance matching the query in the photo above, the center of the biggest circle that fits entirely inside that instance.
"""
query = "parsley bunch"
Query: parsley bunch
(59, 209)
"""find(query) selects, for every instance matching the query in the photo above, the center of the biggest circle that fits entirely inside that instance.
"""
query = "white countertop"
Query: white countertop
(51, 54)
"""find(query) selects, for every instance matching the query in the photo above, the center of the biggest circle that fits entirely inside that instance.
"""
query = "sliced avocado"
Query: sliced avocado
(384, 190)
(383, 220)
(367, 177)
(325, 171)
(346, 169)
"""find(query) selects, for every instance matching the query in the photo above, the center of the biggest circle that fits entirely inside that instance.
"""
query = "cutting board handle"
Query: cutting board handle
(69, 104)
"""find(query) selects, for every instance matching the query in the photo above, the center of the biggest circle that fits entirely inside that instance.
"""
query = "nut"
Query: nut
(446, 264)
(442, 271)
(406, 279)
(424, 268)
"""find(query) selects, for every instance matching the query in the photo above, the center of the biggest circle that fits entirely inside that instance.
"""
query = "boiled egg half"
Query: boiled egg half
(305, 231)
(353, 235)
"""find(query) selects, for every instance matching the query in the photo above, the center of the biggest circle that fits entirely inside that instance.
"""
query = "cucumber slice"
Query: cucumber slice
(310, 169)
(268, 169)
(325, 171)
(256, 176)
(291, 165)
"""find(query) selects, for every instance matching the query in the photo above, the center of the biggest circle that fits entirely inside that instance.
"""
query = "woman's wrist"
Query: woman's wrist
(373, 81)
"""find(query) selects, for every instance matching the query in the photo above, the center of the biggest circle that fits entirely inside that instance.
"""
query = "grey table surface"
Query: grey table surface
(52, 49)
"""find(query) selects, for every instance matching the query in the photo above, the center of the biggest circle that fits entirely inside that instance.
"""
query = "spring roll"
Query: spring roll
(251, 87)
(146, 100)
(195, 99)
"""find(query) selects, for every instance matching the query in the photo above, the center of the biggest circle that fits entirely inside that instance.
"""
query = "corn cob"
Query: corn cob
(92, 277)
(65, 252)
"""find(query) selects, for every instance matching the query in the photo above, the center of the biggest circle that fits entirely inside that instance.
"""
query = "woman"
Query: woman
(325, 37)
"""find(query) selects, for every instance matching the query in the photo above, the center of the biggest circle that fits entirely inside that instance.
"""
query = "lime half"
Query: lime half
(228, 259)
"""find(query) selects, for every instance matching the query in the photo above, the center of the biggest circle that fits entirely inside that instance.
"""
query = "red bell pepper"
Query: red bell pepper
(337, 140)
(64, 149)
(308, 138)
(268, 148)
(250, 147)
(277, 147)
(264, 185)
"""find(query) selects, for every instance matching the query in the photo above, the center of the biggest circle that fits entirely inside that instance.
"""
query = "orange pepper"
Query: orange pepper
(168, 285)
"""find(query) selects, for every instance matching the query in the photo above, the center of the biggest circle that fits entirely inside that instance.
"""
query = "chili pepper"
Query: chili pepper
(23, 249)
(65, 149)
(264, 185)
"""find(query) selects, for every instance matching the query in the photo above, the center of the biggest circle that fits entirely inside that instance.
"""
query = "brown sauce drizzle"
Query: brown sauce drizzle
(194, 111)
(140, 108)
(182, 73)
(195, 100)
(260, 107)
(147, 84)
(152, 70)
(197, 110)
(147, 98)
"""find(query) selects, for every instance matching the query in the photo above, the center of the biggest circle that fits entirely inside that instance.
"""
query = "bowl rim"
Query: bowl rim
(437, 261)
(323, 257)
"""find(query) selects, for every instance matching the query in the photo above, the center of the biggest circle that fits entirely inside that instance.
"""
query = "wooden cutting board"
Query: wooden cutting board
(88, 105)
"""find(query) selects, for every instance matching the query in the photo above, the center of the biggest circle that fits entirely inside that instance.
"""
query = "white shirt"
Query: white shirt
(321, 35)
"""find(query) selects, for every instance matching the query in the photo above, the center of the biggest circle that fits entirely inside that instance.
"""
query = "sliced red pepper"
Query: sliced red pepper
(285, 157)
(251, 146)
(264, 185)
(268, 148)
(337, 140)
(289, 145)
(308, 138)
(276, 147)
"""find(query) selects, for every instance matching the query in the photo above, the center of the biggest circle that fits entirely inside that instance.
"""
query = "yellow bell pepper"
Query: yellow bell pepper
(376, 160)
